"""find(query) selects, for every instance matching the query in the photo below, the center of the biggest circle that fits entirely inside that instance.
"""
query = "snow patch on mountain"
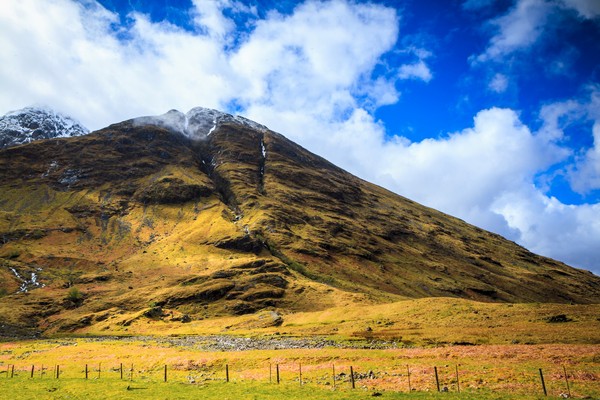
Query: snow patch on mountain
(198, 123)
(35, 123)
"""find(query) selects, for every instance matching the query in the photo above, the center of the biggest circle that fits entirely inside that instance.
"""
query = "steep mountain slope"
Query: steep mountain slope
(182, 217)
(35, 123)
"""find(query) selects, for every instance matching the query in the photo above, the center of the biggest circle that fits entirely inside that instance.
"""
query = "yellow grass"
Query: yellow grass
(423, 322)
(501, 369)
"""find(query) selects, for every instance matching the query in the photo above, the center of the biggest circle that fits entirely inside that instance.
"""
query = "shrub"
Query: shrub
(74, 295)
(558, 318)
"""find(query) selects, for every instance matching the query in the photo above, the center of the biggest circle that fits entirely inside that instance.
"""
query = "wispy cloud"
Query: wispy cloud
(585, 8)
(499, 83)
(525, 23)
(418, 70)
(584, 174)
(519, 29)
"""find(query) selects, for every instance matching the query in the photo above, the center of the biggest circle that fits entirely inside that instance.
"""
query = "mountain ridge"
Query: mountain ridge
(36, 123)
(198, 123)
(140, 217)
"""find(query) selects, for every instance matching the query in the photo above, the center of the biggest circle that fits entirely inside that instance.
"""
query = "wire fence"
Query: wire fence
(557, 381)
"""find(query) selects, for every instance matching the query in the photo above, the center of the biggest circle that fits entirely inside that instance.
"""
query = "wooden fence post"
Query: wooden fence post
(567, 380)
(86, 371)
(226, 373)
(333, 367)
(352, 378)
(270, 373)
(408, 376)
(437, 380)
(99, 368)
(121, 371)
(300, 372)
(131, 373)
(57, 371)
(543, 383)
(32, 369)
(277, 371)
(165, 372)
(457, 381)
(12, 371)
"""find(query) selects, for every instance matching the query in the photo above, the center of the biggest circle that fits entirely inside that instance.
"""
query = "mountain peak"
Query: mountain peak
(34, 123)
(198, 123)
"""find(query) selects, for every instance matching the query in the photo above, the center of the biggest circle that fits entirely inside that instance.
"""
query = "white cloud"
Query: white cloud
(584, 174)
(556, 116)
(67, 55)
(499, 83)
(523, 25)
(586, 8)
(312, 60)
(546, 226)
(209, 16)
(418, 70)
(464, 173)
(517, 30)
(317, 60)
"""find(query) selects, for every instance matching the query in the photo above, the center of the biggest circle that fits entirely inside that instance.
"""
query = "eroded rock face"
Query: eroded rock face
(241, 290)
(171, 191)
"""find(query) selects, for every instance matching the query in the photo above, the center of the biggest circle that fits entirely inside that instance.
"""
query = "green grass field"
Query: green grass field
(485, 372)
(116, 389)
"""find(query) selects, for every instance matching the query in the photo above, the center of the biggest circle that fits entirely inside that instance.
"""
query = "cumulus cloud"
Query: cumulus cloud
(69, 55)
(208, 15)
(311, 61)
(547, 226)
(316, 59)
(464, 172)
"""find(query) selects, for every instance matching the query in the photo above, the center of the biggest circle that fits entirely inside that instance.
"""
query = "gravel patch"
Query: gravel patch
(237, 343)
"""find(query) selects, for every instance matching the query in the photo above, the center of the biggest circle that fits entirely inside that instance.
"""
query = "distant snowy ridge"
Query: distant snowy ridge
(198, 123)
(35, 123)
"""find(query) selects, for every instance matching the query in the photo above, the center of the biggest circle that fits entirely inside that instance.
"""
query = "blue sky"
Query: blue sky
(488, 110)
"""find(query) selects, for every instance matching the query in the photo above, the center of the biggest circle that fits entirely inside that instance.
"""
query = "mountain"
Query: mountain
(35, 123)
(189, 216)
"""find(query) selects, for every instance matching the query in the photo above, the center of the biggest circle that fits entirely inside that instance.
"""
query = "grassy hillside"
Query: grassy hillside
(137, 226)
